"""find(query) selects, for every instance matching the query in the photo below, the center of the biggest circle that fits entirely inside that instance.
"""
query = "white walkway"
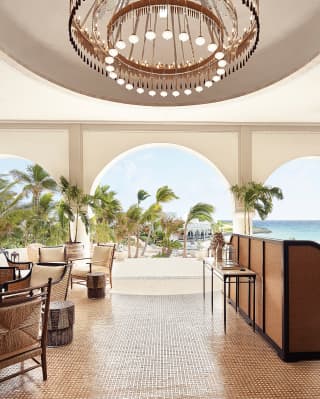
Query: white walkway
(158, 276)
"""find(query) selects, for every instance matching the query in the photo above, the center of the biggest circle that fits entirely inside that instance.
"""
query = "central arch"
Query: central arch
(156, 145)
(188, 173)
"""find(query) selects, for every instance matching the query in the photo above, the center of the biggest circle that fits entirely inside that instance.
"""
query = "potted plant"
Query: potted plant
(72, 208)
(217, 244)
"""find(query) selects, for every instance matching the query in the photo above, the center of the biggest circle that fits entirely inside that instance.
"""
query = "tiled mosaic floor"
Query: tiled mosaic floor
(163, 347)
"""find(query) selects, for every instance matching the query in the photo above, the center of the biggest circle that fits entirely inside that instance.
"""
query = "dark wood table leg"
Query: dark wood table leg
(204, 279)
(254, 304)
(224, 305)
(237, 294)
(211, 290)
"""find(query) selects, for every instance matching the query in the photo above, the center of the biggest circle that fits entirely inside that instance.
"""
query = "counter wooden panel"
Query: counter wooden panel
(304, 299)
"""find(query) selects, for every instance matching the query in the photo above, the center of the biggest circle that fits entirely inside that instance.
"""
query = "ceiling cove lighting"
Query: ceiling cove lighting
(165, 46)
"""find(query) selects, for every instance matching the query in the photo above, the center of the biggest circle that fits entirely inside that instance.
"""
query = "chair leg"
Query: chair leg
(44, 365)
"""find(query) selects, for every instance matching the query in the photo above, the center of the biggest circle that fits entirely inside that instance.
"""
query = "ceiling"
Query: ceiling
(34, 34)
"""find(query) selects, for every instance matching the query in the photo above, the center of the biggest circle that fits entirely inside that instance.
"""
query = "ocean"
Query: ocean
(289, 229)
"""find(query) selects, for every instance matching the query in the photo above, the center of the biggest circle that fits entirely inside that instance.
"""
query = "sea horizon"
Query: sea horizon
(289, 229)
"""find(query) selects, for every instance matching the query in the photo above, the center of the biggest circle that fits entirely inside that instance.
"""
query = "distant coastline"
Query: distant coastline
(289, 229)
(284, 229)
(261, 230)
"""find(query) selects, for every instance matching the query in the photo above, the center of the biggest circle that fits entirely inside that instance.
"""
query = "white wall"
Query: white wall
(272, 148)
(102, 147)
(47, 147)
(264, 149)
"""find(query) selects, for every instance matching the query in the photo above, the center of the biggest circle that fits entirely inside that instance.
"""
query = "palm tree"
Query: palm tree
(200, 211)
(165, 194)
(8, 198)
(11, 214)
(133, 216)
(255, 197)
(169, 227)
(73, 206)
(41, 226)
(121, 227)
(35, 181)
(106, 208)
(151, 215)
(148, 218)
(141, 196)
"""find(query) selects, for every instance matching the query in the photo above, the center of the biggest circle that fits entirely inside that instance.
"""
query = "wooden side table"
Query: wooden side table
(60, 323)
(231, 275)
(96, 284)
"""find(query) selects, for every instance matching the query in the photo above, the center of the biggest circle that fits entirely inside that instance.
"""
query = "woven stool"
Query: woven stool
(96, 284)
(60, 323)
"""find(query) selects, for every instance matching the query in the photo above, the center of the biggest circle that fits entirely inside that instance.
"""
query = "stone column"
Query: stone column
(244, 174)
(76, 155)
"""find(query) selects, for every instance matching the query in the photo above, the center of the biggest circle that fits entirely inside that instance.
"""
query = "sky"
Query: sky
(300, 183)
(194, 179)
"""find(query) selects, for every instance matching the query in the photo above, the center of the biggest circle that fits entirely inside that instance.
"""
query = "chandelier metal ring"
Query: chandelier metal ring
(164, 46)
(194, 10)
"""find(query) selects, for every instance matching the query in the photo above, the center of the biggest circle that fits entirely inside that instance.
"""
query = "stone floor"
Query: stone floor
(163, 347)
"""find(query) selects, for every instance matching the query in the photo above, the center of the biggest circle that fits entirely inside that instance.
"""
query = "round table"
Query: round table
(60, 323)
(96, 284)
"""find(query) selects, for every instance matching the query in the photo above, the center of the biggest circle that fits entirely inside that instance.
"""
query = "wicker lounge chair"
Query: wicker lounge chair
(6, 274)
(101, 261)
(39, 275)
(23, 329)
(18, 265)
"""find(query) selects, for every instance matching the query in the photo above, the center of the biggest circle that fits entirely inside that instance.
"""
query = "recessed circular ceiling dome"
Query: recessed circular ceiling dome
(165, 47)
(35, 34)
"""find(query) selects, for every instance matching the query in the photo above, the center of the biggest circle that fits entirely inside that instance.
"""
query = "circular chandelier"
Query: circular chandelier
(165, 47)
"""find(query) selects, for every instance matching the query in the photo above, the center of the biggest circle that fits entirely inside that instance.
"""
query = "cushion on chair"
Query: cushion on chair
(102, 255)
(52, 254)
(40, 274)
(33, 252)
(80, 268)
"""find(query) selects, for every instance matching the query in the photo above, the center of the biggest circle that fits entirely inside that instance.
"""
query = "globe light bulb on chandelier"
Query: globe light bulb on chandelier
(159, 47)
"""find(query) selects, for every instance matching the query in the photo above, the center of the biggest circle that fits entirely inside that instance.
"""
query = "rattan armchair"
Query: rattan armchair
(18, 265)
(101, 261)
(23, 329)
(6, 274)
(39, 274)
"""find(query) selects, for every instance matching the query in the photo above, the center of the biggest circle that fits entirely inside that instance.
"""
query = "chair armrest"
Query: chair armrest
(72, 259)
(17, 264)
(23, 282)
(51, 263)
(90, 266)
(98, 263)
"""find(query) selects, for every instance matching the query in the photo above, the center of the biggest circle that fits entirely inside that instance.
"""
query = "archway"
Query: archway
(193, 179)
(297, 216)
(190, 175)
(181, 167)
